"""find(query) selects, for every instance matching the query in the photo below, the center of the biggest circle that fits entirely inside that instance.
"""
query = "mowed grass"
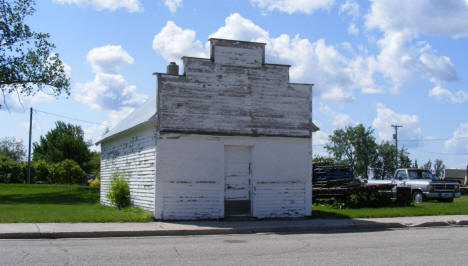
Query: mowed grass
(458, 206)
(60, 203)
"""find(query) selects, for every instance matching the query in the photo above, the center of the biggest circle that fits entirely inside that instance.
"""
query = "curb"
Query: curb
(219, 231)
(214, 231)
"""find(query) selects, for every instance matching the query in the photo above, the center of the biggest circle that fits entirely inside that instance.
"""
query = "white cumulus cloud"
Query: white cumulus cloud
(335, 118)
(239, 28)
(444, 94)
(319, 138)
(108, 90)
(350, 7)
(352, 29)
(130, 5)
(402, 56)
(440, 18)
(293, 6)
(459, 140)
(173, 5)
(386, 117)
(108, 59)
(173, 42)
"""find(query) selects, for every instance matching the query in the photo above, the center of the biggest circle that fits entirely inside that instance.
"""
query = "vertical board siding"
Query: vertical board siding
(134, 154)
(237, 172)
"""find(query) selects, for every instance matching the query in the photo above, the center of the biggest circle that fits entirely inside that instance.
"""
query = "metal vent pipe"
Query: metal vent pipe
(172, 69)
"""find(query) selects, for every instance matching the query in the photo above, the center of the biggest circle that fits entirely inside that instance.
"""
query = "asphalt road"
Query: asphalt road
(428, 246)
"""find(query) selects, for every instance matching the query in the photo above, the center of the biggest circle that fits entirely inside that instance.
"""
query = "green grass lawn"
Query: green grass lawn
(60, 203)
(458, 206)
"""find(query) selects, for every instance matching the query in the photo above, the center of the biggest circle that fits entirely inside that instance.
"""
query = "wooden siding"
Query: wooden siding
(190, 178)
(282, 198)
(135, 155)
(234, 94)
(192, 200)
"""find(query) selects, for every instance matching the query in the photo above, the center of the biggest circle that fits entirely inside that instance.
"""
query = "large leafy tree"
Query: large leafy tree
(384, 166)
(65, 141)
(428, 165)
(438, 168)
(385, 163)
(354, 145)
(12, 148)
(27, 61)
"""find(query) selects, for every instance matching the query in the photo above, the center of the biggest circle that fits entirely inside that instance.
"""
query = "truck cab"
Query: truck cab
(424, 185)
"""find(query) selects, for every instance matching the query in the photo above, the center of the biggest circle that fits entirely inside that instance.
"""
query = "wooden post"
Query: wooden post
(29, 150)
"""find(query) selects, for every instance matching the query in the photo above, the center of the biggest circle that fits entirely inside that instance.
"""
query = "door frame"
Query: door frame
(251, 177)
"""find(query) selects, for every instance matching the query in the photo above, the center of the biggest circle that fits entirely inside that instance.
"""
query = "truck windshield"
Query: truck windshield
(420, 174)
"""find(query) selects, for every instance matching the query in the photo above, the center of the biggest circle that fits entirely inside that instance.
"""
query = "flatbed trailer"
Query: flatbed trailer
(464, 190)
(343, 191)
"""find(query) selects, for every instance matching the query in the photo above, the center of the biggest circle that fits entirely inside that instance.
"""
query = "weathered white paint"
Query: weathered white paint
(231, 99)
(238, 56)
(134, 154)
(190, 176)
(237, 164)
(234, 93)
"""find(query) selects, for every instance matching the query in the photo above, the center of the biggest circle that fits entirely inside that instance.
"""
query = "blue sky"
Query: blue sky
(378, 62)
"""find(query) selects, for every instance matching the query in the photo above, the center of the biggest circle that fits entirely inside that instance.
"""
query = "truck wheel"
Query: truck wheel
(418, 197)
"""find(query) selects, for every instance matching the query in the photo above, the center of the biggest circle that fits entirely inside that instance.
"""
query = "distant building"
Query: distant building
(230, 136)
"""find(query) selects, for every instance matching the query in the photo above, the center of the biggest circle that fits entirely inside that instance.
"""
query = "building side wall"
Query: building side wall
(190, 176)
(134, 154)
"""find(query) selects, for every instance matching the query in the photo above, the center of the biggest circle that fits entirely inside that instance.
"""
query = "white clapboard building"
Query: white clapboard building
(231, 136)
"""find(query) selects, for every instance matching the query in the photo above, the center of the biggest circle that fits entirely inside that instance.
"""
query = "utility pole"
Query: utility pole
(29, 150)
(395, 137)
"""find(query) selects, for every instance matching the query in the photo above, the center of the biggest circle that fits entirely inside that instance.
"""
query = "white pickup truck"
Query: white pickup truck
(423, 184)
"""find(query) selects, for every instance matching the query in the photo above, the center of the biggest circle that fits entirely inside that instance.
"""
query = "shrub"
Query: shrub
(11, 171)
(40, 172)
(94, 184)
(119, 191)
(67, 172)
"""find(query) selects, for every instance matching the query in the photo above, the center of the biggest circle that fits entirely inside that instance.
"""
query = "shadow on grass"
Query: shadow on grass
(320, 214)
(72, 196)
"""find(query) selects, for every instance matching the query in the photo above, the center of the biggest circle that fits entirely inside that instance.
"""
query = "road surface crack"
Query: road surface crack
(177, 252)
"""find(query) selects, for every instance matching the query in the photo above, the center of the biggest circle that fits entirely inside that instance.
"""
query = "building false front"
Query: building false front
(230, 136)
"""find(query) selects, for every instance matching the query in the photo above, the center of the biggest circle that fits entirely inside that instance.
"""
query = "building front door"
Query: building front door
(237, 175)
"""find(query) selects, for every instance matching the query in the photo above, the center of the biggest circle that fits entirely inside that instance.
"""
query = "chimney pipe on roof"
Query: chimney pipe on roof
(172, 69)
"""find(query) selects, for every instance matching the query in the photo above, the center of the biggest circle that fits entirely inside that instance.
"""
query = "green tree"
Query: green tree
(354, 145)
(11, 171)
(385, 164)
(67, 172)
(65, 141)
(94, 163)
(27, 61)
(428, 165)
(438, 168)
(13, 148)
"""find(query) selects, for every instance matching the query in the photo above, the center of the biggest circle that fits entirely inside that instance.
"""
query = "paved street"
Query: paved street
(428, 246)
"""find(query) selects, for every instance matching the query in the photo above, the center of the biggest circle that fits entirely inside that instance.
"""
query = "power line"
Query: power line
(67, 117)
(440, 153)
(426, 140)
